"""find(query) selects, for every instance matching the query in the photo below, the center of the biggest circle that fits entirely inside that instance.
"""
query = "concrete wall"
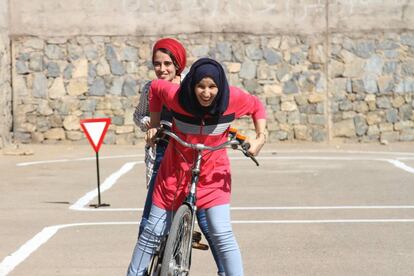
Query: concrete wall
(5, 81)
(326, 69)
(146, 17)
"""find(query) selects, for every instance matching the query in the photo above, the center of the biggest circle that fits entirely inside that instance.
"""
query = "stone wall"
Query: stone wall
(325, 69)
(372, 87)
(5, 81)
(360, 88)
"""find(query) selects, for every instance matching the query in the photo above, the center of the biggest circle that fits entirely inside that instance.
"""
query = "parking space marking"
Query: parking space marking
(319, 221)
(112, 179)
(349, 207)
(395, 162)
(405, 155)
(401, 165)
(273, 208)
(107, 184)
(13, 260)
(25, 164)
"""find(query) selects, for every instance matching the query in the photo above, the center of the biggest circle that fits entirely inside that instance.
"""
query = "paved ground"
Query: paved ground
(307, 210)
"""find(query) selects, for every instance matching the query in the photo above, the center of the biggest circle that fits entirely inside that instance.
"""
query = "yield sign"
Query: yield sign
(95, 130)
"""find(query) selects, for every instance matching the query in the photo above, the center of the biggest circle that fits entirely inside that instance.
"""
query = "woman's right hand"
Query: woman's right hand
(150, 136)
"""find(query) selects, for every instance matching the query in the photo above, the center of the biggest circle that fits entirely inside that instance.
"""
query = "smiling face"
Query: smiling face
(164, 66)
(206, 90)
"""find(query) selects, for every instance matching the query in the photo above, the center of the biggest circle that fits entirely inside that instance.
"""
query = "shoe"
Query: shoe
(196, 241)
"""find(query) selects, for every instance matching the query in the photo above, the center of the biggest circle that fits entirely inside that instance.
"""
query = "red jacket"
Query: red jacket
(174, 174)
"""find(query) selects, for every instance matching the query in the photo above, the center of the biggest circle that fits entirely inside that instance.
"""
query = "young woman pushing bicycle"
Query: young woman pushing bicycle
(169, 61)
(203, 107)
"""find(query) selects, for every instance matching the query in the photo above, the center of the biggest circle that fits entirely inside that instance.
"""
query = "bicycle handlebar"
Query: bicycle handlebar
(234, 143)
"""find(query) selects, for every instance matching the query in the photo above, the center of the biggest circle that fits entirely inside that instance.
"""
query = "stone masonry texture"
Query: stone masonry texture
(361, 92)
(334, 70)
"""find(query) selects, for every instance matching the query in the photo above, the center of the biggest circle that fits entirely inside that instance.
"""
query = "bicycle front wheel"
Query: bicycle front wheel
(177, 253)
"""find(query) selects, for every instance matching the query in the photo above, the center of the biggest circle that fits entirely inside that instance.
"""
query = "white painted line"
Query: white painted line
(349, 207)
(42, 162)
(273, 208)
(394, 162)
(111, 180)
(11, 261)
(401, 165)
(106, 209)
(317, 221)
(14, 259)
(329, 158)
(24, 164)
(270, 171)
(339, 151)
(107, 184)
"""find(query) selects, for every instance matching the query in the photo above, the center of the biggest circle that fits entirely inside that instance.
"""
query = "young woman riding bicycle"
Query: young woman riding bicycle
(203, 107)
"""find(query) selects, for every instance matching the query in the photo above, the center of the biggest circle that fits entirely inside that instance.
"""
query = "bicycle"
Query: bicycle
(173, 256)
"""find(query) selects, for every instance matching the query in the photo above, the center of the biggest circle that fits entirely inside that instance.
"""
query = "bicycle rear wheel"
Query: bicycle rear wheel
(177, 253)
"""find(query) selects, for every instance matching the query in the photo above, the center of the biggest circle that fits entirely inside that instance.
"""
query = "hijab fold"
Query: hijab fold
(202, 68)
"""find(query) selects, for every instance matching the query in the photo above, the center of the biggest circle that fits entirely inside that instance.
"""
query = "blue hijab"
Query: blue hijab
(202, 68)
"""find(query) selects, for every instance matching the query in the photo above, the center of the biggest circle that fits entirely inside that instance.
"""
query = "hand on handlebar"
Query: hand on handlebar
(255, 145)
(150, 136)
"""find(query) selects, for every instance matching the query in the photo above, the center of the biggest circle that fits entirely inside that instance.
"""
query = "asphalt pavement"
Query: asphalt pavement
(308, 209)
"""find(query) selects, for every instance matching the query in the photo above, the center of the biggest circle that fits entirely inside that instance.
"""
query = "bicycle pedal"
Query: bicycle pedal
(200, 246)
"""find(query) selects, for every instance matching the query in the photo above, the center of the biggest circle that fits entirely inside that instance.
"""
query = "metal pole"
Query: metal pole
(99, 186)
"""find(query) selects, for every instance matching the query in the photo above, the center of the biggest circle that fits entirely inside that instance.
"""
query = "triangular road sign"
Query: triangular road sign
(95, 130)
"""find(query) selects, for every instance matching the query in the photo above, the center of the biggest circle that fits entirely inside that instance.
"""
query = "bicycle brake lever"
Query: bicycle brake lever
(245, 147)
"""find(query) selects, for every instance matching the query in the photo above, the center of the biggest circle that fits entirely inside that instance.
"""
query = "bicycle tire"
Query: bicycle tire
(177, 252)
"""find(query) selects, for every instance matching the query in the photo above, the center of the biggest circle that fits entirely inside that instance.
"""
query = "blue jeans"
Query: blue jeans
(203, 224)
(201, 215)
(159, 154)
(221, 234)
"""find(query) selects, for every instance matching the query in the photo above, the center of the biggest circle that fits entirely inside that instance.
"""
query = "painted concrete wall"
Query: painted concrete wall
(147, 17)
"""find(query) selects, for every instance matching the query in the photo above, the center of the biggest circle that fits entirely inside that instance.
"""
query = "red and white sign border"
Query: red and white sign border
(107, 122)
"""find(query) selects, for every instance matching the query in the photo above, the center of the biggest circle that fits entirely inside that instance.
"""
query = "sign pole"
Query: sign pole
(97, 172)
(99, 186)
(95, 130)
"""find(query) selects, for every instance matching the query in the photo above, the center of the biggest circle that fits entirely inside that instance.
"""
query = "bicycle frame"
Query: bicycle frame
(191, 198)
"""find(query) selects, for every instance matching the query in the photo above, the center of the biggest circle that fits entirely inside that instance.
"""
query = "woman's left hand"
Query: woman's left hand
(256, 144)
(150, 136)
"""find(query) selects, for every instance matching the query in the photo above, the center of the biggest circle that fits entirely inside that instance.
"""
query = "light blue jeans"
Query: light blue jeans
(221, 234)
(201, 215)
